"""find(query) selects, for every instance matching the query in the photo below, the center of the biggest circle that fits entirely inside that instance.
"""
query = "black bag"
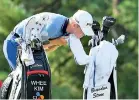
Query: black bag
(37, 78)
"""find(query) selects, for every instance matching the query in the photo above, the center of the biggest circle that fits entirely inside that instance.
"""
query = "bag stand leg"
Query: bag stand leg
(113, 82)
(85, 94)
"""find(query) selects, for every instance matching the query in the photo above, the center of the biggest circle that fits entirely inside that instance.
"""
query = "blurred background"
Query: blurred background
(67, 77)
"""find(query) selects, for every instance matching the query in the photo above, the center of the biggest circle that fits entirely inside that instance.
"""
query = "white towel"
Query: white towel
(89, 69)
(27, 55)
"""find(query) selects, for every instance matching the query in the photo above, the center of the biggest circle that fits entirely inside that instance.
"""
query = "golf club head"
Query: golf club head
(119, 40)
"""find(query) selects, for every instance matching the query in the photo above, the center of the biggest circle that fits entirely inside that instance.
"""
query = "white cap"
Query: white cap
(85, 21)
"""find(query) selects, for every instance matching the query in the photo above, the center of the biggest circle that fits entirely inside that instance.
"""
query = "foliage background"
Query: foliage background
(67, 77)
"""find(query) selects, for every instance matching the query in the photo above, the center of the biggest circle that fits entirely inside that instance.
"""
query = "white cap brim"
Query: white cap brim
(87, 31)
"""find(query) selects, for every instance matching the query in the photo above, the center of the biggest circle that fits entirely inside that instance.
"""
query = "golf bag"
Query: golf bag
(100, 74)
(6, 87)
(32, 77)
(29, 82)
(37, 83)
(100, 79)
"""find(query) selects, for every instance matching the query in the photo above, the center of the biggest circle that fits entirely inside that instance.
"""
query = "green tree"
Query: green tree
(67, 76)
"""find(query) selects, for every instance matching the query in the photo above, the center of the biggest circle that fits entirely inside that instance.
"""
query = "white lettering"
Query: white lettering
(38, 83)
(97, 95)
(34, 82)
(42, 82)
(35, 89)
(38, 88)
(99, 89)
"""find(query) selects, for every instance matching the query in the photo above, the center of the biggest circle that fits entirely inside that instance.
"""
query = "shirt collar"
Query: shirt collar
(65, 27)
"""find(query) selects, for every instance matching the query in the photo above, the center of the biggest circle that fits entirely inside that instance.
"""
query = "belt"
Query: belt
(15, 34)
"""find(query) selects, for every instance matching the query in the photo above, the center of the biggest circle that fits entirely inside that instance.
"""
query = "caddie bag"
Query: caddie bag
(37, 84)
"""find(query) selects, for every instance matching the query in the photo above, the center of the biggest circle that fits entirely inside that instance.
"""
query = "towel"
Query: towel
(27, 55)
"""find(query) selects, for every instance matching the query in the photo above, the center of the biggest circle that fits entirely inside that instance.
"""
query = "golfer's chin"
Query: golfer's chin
(79, 36)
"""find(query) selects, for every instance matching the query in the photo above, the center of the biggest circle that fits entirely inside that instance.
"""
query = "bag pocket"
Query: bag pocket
(38, 85)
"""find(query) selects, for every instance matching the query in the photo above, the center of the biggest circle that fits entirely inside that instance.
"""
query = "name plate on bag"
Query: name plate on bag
(99, 92)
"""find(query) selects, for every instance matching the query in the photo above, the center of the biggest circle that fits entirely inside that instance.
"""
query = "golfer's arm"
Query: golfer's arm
(58, 41)
(77, 49)
(54, 44)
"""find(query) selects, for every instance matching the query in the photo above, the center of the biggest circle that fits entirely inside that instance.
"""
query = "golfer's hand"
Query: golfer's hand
(54, 44)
